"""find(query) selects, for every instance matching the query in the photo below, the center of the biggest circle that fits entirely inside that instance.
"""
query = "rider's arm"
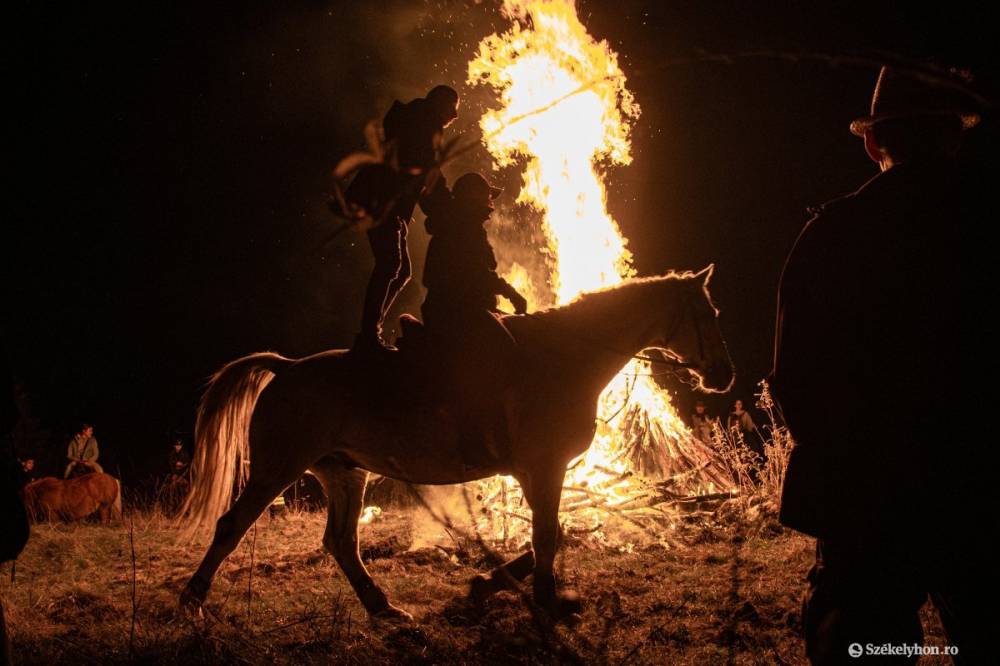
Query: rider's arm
(505, 289)
(90, 451)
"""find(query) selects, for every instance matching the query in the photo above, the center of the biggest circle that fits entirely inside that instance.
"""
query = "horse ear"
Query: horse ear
(706, 274)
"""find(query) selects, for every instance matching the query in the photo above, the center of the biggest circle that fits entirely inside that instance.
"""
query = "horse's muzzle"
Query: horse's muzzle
(718, 377)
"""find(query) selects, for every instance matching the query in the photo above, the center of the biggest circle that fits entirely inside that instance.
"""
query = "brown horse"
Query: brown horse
(342, 415)
(74, 499)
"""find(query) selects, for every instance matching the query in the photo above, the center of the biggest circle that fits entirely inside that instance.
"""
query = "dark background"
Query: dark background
(168, 172)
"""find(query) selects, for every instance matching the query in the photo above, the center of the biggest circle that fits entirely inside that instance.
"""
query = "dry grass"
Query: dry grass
(729, 594)
(722, 584)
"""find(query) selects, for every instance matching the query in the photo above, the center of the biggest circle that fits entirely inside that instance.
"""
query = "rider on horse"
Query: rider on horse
(460, 270)
(83, 451)
(462, 289)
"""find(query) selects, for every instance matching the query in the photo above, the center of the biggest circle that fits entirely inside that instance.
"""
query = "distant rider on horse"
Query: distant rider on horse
(83, 451)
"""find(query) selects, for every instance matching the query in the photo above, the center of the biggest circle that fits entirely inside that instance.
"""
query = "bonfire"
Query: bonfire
(564, 111)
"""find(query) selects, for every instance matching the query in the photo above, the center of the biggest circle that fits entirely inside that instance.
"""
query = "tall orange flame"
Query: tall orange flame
(564, 106)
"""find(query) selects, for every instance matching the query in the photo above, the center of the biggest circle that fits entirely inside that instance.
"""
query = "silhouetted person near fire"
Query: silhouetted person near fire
(742, 428)
(869, 313)
(83, 452)
(701, 423)
(413, 132)
(179, 461)
(460, 269)
(459, 309)
(28, 468)
(739, 420)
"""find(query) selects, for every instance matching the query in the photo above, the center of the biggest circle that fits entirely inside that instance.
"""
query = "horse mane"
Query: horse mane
(591, 306)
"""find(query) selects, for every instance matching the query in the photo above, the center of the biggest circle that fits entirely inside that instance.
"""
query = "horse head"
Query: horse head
(692, 336)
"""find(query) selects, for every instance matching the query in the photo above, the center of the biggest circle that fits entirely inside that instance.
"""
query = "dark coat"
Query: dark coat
(416, 130)
(869, 325)
(179, 461)
(460, 268)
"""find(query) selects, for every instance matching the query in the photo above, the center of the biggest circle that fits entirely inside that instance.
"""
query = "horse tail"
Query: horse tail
(222, 438)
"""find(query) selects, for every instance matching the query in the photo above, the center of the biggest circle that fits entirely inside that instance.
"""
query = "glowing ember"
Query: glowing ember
(564, 108)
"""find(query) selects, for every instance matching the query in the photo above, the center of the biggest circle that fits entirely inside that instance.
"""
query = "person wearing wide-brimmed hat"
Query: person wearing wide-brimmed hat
(459, 311)
(460, 269)
(868, 321)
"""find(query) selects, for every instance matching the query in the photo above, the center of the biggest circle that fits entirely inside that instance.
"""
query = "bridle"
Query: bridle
(686, 308)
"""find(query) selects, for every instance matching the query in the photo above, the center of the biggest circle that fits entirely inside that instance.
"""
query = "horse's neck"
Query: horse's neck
(600, 331)
(624, 318)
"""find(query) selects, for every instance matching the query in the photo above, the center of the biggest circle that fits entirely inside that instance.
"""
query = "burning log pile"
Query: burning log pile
(643, 475)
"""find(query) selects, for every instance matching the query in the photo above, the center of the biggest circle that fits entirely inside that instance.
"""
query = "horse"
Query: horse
(74, 499)
(322, 413)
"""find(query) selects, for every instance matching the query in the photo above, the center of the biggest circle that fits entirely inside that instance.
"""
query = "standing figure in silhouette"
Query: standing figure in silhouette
(869, 313)
(701, 423)
(413, 134)
(739, 421)
(179, 460)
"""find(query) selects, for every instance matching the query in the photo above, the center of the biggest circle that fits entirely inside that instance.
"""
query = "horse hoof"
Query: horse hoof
(568, 604)
(481, 588)
(392, 614)
(192, 599)
(566, 607)
(191, 606)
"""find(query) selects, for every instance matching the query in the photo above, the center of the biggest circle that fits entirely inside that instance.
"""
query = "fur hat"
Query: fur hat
(898, 95)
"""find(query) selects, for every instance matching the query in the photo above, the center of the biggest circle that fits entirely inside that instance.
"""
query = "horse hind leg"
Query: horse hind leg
(258, 494)
(345, 489)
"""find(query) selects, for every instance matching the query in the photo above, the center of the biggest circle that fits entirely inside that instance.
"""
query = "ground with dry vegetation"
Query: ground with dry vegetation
(93, 594)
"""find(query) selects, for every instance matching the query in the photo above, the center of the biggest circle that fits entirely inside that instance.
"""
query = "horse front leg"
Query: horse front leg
(543, 492)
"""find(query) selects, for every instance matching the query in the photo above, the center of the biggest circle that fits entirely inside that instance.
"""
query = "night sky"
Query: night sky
(169, 170)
